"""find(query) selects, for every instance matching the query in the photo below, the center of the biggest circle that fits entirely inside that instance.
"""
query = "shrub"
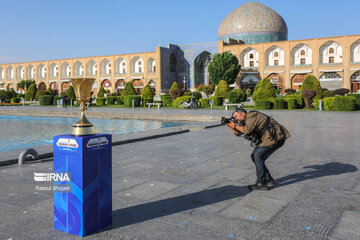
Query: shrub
(263, 90)
(357, 96)
(328, 93)
(236, 96)
(120, 100)
(164, 98)
(308, 96)
(55, 100)
(291, 103)
(263, 104)
(147, 93)
(71, 93)
(222, 89)
(217, 101)
(290, 91)
(168, 102)
(31, 92)
(344, 103)
(248, 92)
(207, 89)
(145, 101)
(114, 94)
(298, 98)
(15, 100)
(279, 103)
(311, 83)
(40, 93)
(174, 86)
(204, 102)
(128, 100)
(110, 100)
(341, 91)
(129, 90)
(197, 95)
(329, 104)
(46, 100)
(100, 101)
(175, 93)
(177, 102)
(101, 92)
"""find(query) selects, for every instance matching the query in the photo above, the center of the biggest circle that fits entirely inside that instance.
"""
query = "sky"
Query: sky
(36, 30)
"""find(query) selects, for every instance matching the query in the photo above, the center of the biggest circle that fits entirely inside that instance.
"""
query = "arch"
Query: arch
(355, 52)
(137, 65)
(173, 63)
(42, 86)
(78, 69)
(120, 66)
(297, 80)
(2, 75)
(301, 54)
(10, 86)
(152, 85)
(138, 85)
(152, 65)
(10, 73)
(65, 70)
(274, 56)
(249, 80)
(330, 80)
(30, 72)
(355, 82)
(277, 81)
(105, 67)
(20, 73)
(201, 64)
(91, 68)
(53, 86)
(106, 84)
(248, 61)
(65, 86)
(327, 57)
(53, 70)
(41, 71)
(119, 85)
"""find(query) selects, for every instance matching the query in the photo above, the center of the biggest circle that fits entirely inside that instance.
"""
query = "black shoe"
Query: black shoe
(258, 186)
(270, 183)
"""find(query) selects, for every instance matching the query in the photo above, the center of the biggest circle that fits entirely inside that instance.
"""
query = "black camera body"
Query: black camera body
(225, 120)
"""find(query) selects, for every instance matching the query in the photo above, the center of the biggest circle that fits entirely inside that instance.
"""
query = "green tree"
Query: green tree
(25, 84)
(101, 92)
(311, 83)
(147, 93)
(31, 92)
(128, 90)
(224, 66)
(222, 89)
(70, 93)
(263, 90)
(174, 86)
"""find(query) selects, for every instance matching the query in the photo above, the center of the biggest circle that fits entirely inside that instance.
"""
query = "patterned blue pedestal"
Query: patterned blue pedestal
(88, 207)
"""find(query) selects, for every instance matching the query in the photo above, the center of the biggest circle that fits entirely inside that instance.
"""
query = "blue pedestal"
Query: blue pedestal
(88, 206)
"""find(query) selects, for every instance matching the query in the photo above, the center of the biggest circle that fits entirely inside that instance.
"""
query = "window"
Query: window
(331, 50)
(302, 53)
(251, 55)
(302, 61)
(331, 59)
(276, 62)
(251, 63)
(276, 54)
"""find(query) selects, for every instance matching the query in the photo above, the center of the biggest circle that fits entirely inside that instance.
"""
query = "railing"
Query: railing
(330, 64)
(275, 66)
(301, 65)
(354, 62)
(249, 68)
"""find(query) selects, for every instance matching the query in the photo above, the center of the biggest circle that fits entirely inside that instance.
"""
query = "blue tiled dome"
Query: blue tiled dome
(253, 22)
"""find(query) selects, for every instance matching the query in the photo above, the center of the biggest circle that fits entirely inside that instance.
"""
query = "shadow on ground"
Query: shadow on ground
(140, 213)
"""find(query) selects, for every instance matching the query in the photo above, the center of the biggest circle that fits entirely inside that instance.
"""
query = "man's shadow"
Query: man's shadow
(147, 211)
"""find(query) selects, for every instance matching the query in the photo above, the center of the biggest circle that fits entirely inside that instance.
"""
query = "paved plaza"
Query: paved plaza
(193, 185)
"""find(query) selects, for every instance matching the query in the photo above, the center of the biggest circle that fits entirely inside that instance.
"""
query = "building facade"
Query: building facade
(253, 32)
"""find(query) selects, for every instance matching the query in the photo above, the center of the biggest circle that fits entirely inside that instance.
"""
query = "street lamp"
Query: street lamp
(184, 81)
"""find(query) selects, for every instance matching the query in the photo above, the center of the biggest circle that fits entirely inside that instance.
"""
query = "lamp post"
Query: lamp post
(184, 81)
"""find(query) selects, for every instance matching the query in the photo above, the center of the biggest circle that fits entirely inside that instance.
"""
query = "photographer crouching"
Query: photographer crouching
(265, 134)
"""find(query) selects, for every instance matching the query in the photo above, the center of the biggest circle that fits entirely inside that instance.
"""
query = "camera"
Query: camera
(253, 139)
(225, 120)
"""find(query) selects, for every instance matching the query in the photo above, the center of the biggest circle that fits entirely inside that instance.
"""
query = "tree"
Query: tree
(308, 96)
(224, 66)
(128, 90)
(101, 92)
(222, 89)
(207, 89)
(70, 93)
(147, 93)
(174, 86)
(25, 84)
(311, 83)
(31, 92)
(263, 90)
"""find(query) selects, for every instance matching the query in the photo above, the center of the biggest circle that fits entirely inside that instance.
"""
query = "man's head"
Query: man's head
(239, 114)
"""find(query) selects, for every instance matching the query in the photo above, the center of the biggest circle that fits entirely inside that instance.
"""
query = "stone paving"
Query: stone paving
(194, 186)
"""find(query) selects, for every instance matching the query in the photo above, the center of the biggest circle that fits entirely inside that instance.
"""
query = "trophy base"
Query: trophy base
(83, 129)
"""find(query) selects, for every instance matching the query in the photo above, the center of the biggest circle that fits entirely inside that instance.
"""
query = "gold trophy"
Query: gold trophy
(82, 87)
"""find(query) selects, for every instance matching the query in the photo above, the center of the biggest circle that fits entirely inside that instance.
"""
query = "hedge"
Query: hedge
(299, 99)
(204, 102)
(344, 103)
(279, 103)
(236, 96)
(15, 100)
(120, 100)
(100, 101)
(128, 100)
(291, 103)
(145, 101)
(40, 93)
(329, 104)
(165, 99)
(45, 100)
(328, 93)
(110, 100)
(357, 96)
(263, 104)
(55, 100)
(177, 102)
(217, 101)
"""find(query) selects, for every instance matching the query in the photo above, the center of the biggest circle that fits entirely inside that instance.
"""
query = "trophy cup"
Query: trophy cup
(82, 87)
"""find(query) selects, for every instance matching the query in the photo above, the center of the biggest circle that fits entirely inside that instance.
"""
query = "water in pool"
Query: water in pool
(27, 131)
